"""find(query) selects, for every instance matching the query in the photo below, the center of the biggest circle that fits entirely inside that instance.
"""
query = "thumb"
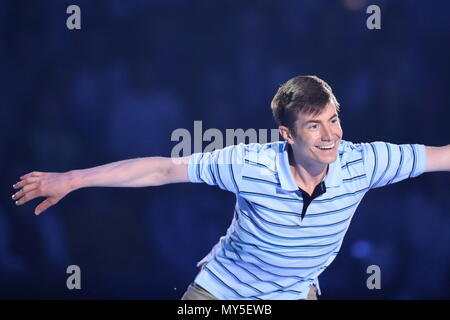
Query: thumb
(44, 205)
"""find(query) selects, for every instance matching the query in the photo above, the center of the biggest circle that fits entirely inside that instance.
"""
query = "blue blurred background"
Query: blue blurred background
(137, 70)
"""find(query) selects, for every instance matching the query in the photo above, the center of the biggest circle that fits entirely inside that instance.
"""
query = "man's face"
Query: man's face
(317, 137)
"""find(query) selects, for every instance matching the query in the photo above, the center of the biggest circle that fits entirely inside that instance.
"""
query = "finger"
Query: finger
(27, 197)
(24, 190)
(22, 183)
(32, 174)
(44, 205)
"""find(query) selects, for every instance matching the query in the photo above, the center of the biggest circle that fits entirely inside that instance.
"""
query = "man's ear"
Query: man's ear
(286, 134)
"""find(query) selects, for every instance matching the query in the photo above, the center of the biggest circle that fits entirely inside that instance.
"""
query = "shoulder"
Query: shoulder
(257, 154)
(352, 153)
(347, 148)
(266, 152)
(367, 153)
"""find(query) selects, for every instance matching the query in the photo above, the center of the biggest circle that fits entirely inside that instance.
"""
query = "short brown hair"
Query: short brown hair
(307, 94)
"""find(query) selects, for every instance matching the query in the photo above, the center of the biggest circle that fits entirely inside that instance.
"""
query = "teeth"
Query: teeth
(326, 147)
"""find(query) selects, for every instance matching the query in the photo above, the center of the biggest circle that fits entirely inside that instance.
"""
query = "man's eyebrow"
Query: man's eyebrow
(318, 121)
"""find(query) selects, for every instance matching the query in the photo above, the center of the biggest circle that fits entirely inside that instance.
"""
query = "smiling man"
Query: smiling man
(294, 199)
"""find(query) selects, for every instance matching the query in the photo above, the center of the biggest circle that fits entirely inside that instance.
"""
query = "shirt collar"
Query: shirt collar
(332, 179)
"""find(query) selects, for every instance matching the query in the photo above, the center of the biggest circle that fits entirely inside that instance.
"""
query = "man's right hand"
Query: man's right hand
(52, 185)
(139, 172)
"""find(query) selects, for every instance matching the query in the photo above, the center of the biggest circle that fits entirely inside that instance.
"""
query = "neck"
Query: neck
(306, 174)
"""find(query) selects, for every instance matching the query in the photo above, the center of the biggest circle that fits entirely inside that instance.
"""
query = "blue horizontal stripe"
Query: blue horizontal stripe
(354, 178)
(292, 246)
(248, 271)
(261, 268)
(281, 288)
(235, 277)
(399, 165)
(341, 196)
(221, 281)
(289, 213)
(217, 170)
(256, 194)
(348, 164)
(375, 156)
(253, 163)
(260, 180)
(290, 257)
(413, 169)
(297, 226)
(326, 213)
(288, 226)
(288, 238)
(281, 267)
(387, 165)
(230, 168)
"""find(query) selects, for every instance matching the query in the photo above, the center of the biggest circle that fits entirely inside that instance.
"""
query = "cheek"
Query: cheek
(309, 139)
(339, 131)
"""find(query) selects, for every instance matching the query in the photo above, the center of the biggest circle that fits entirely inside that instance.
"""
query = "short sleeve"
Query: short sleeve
(387, 163)
(220, 168)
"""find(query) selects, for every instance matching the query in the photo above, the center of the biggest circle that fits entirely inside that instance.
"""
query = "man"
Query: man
(294, 199)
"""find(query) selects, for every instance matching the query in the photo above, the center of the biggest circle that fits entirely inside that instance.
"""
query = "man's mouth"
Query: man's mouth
(326, 146)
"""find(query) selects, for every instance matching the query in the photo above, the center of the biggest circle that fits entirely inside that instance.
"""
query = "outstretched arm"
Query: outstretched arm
(140, 172)
(438, 158)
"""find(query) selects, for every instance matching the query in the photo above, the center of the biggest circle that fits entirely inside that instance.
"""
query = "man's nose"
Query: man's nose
(326, 134)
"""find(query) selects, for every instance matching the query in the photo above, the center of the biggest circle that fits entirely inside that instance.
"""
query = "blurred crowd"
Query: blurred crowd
(137, 70)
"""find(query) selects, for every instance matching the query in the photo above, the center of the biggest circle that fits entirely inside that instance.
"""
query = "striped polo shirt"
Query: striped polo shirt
(269, 251)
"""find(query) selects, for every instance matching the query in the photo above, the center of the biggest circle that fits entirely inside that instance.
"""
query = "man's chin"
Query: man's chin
(328, 159)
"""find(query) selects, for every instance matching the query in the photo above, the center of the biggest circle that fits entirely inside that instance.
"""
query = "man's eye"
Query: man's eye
(314, 126)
